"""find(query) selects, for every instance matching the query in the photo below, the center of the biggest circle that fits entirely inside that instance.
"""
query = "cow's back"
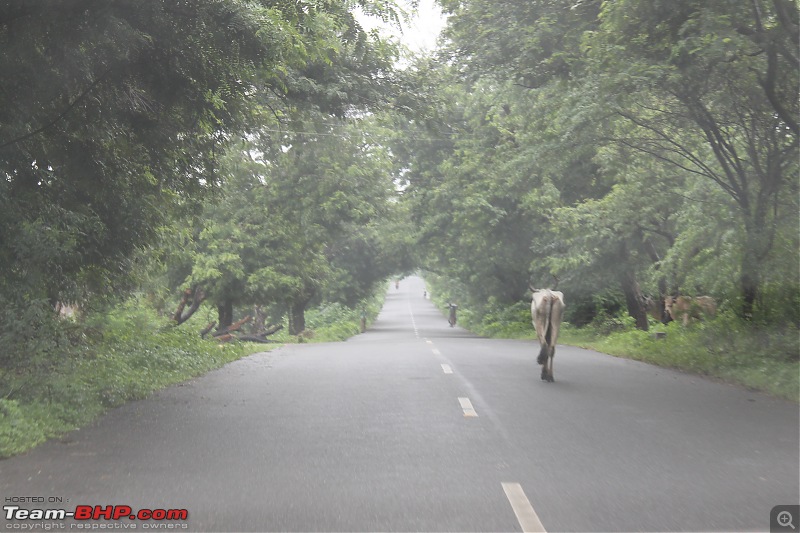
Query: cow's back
(547, 307)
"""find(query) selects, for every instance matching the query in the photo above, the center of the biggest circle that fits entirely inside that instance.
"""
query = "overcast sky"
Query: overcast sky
(421, 33)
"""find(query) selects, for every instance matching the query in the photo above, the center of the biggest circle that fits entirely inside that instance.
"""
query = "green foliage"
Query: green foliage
(17, 432)
(637, 147)
(333, 321)
(111, 121)
(763, 358)
(123, 354)
(116, 356)
(626, 147)
(337, 322)
(115, 120)
(706, 87)
(300, 218)
(507, 322)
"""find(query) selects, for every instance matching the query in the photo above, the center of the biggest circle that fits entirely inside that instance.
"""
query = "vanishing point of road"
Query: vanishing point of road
(416, 426)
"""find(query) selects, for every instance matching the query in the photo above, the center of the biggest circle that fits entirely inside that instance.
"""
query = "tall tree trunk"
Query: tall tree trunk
(297, 311)
(749, 278)
(225, 313)
(663, 316)
(259, 322)
(759, 229)
(297, 317)
(634, 299)
(660, 309)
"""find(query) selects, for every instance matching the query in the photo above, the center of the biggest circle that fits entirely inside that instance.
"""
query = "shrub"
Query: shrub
(125, 354)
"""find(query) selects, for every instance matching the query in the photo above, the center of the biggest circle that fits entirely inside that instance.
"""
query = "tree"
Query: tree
(111, 117)
(712, 91)
(289, 223)
(622, 107)
(114, 118)
(484, 189)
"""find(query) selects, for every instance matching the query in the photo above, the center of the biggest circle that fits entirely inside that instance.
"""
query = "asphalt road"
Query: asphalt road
(416, 426)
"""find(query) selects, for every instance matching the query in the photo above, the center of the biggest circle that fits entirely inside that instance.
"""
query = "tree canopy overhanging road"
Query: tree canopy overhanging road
(273, 154)
(181, 179)
(376, 434)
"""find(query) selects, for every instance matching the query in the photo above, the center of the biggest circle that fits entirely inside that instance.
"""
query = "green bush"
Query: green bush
(761, 357)
(120, 355)
(17, 432)
(337, 322)
(508, 322)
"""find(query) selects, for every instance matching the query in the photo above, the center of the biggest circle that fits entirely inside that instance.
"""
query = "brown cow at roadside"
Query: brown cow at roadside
(653, 308)
(547, 307)
(686, 307)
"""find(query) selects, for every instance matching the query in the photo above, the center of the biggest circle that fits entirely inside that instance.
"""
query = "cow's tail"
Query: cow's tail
(545, 351)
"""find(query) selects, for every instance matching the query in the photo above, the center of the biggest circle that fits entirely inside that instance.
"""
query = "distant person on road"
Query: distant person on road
(452, 318)
(397, 284)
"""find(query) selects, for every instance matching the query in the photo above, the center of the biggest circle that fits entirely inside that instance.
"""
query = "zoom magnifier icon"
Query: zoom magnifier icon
(785, 519)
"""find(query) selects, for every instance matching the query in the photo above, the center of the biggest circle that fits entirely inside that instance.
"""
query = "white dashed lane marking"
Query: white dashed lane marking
(413, 322)
(523, 510)
(526, 516)
(466, 406)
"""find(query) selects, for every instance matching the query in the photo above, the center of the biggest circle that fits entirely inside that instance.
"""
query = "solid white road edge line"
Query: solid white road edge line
(526, 516)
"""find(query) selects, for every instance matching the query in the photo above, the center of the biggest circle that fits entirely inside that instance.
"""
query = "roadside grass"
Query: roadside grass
(334, 322)
(127, 354)
(759, 357)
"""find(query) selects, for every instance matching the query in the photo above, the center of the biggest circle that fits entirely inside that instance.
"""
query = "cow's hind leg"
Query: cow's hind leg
(548, 350)
(547, 364)
(547, 368)
(544, 353)
(542, 359)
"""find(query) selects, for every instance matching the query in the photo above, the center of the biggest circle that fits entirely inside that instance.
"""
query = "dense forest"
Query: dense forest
(269, 157)
(209, 145)
(630, 149)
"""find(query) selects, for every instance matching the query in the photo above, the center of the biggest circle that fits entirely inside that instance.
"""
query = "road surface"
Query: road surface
(416, 426)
